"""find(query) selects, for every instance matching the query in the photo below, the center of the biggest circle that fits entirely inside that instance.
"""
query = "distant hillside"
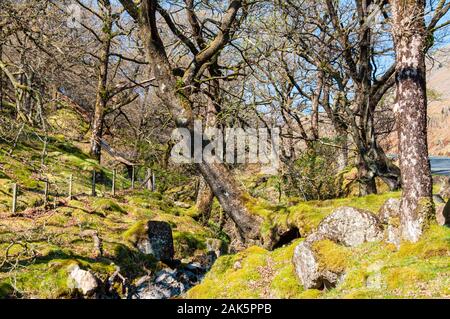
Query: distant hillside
(438, 83)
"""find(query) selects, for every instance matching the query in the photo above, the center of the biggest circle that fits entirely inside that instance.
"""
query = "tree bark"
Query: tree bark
(411, 113)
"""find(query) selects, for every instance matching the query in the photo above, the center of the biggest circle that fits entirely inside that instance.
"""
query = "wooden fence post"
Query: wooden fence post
(70, 186)
(46, 192)
(132, 177)
(149, 179)
(113, 186)
(153, 182)
(14, 199)
(93, 184)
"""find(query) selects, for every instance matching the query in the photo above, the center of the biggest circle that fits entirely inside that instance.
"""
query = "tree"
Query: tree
(175, 93)
(410, 35)
(113, 90)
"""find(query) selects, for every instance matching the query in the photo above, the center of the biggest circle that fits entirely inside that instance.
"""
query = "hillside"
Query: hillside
(438, 84)
(41, 243)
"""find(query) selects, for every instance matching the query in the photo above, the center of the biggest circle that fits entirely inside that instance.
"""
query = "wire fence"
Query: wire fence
(97, 183)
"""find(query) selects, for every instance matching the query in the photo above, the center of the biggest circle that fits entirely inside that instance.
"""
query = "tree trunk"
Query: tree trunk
(232, 199)
(342, 159)
(366, 176)
(102, 87)
(204, 200)
(97, 128)
(411, 112)
(219, 178)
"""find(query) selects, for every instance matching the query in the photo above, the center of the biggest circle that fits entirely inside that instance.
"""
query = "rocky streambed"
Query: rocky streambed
(173, 280)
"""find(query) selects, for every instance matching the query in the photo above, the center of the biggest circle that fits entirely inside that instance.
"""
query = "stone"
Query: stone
(181, 204)
(437, 199)
(168, 283)
(445, 188)
(390, 209)
(351, 227)
(215, 245)
(374, 277)
(443, 214)
(151, 291)
(307, 269)
(158, 241)
(237, 265)
(346, 226)
(82, 280)
(389, 214)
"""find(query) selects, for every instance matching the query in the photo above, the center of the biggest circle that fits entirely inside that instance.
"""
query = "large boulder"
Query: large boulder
(82, 280)
(443, 214)
(351, 227)
(157, 241)
(311, 270)
(320, 259)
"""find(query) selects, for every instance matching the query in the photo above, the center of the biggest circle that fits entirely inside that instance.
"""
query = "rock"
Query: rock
(445, 188)
(307, 268)
(158, 241)
(168, 283)
(215, 245)
(443, 214)
(393, 235)
(437, 199)
(351, 227)
(374, 278)
(195, 266)
(164, 285)
(346, 226)
(181, 204)
(390, 214)
(237, 265)
(150, 291)
(390, 209)
(82, 280)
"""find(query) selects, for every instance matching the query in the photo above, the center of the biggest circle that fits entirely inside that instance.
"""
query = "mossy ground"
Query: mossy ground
(37, 244)
(306, 216)
(373, 270)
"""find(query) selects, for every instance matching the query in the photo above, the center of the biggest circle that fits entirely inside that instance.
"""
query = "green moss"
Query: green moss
(310, 294)
(44, 280)
(6, 290)
(137, 231)
(252, 273)
(331, 256)
(434, 243)
(402, 276)
(106, 205)
(372, 270)
(187, 243)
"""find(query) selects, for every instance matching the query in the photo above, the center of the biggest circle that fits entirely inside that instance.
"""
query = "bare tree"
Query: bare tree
(173, 96)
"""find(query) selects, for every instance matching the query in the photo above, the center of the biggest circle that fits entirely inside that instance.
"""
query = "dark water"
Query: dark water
(440, 165)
